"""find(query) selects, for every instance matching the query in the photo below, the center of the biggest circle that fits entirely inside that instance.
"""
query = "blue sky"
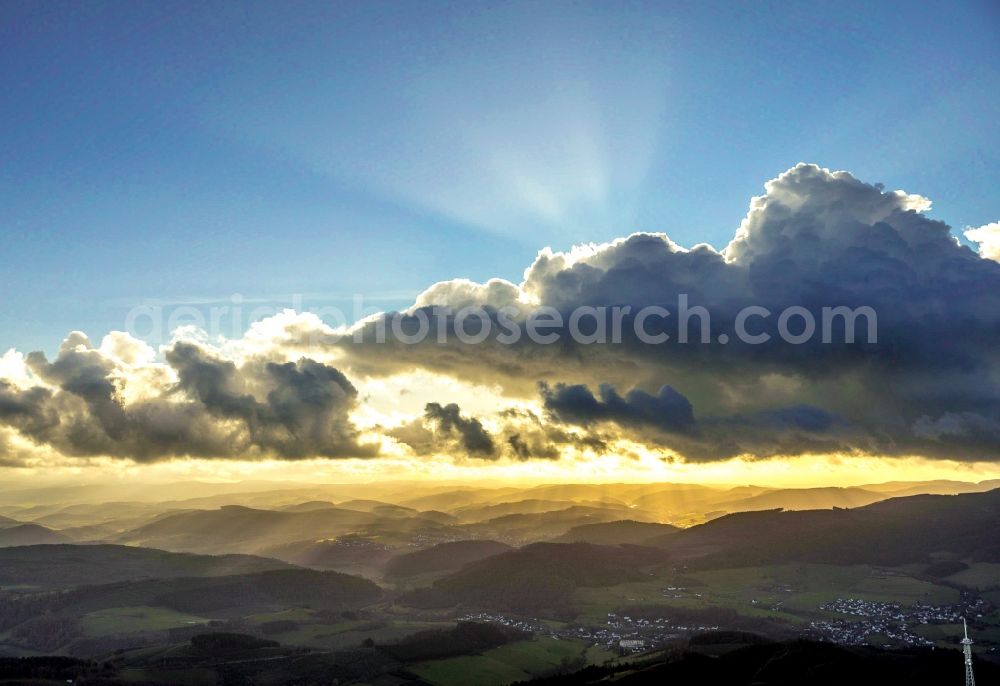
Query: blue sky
(186, 152)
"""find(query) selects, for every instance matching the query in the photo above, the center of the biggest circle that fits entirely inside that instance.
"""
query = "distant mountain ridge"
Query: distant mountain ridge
(234, 528)
(803, 499)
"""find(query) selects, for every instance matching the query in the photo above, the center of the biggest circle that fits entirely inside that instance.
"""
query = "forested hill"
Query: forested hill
(895, 531)
(62, 566)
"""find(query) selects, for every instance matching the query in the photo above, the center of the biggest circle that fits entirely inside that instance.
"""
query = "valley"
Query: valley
(396, 584)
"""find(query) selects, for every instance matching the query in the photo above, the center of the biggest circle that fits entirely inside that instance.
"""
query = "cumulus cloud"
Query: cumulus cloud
(988, 237)
(928, 385)
(199, 404)
(816, 239)
(518, 435)
(474, 438)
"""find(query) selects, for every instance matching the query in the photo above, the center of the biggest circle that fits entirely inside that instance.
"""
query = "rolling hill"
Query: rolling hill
(55, 621)
(273, 589)
(898, 489)
(377, 507)
(116, 515)
(802, 499)
(480, 513)
(615, 533)
(543, 526)
(63, 566)
(894, 531)
(30, 534)
(448, 499)
(539, 579)
(442, 557)
(309, 506)
(349, 554)
(235, 528)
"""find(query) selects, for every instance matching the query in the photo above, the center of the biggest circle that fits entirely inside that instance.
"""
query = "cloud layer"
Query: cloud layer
(929, 386)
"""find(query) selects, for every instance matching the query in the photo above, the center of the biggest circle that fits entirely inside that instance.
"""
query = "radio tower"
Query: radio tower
(970, 680)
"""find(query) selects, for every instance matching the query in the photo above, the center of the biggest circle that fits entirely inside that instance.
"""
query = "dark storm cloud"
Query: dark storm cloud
(927, 385)
(520, 435)
(213, 409)
(528, 447)
(667, 419)
(474, 438)
(667, 410)
(29, 411)
(805, 417)
(85, 374)
(530, 436)
(304, 413)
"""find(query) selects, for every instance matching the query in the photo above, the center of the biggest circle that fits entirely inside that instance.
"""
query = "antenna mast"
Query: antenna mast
(970, 680)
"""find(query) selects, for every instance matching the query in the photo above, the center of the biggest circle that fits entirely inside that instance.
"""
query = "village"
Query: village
(891, 623)
(865, 621)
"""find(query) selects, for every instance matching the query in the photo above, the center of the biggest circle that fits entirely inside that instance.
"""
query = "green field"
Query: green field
(979, 575)
(948, 635)
(347, 633)
(298, 614)
(128, 620)
(322, 635)
(188, 677)
(509, 663)
(892, 587)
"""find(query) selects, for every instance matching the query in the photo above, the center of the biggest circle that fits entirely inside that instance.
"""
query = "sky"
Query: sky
(194, 155)
(192, 151)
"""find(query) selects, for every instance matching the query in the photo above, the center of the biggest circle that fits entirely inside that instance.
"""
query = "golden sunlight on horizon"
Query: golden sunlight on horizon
(811, 471)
